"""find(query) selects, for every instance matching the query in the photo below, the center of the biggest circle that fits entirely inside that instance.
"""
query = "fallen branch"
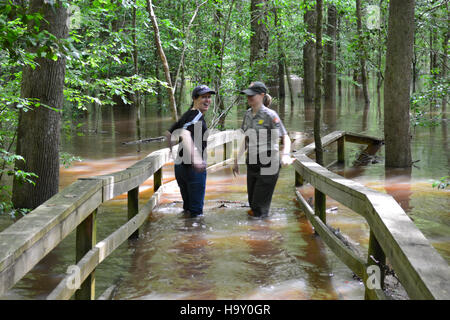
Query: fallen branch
(161, 138)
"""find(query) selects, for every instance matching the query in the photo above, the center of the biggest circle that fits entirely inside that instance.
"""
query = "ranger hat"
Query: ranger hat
(201, 90)
(256, 87)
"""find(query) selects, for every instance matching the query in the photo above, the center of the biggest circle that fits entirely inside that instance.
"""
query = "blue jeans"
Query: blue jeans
(192, 187)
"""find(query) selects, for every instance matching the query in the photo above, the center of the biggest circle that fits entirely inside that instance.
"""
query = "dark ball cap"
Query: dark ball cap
(201, 90)
(255, 88)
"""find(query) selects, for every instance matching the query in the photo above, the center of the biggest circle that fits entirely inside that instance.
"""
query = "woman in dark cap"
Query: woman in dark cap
(190, 162)
(263, 129)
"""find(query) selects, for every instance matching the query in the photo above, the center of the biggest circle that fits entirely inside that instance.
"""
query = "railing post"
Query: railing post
(86, 239)
(375, 257)
(157, 180)
(320, 205)
(298, 179)
(133, 208)
(227, 150)
(341, 150)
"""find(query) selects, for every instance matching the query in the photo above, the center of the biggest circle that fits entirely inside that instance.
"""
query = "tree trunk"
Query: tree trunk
(398, 82)
(330, 49)
(281, 62)
(379, 54)
(444, 62)
(137, 95)
(362, 53)
(289, 81)
(259, 41)
(319, 197)
(159, 91)
(217, 48)
(318, 85)
(338, 45)
(38, 136)
(162, 56)
(309, 58)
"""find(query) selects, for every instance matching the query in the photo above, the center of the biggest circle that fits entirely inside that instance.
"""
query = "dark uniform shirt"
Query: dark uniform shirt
(191, 120)
(266, 119)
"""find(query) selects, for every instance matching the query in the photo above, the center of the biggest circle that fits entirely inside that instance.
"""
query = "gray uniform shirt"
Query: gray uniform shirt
(263, 131)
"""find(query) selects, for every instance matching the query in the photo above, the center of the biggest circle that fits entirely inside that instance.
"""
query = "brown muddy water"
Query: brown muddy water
(225, 254)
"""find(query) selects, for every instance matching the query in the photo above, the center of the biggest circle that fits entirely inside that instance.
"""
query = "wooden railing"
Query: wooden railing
(423, 273)
(29, 240)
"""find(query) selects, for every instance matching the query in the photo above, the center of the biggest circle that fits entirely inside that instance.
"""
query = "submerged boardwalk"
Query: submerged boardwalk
(423, 272)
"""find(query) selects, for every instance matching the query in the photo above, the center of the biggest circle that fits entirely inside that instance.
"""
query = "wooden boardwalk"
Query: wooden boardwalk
(422, 271)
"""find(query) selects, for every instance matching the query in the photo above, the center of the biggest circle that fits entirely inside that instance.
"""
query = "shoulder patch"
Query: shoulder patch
(276, 120)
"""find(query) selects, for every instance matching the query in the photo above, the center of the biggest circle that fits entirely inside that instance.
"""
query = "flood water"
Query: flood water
(225, 254)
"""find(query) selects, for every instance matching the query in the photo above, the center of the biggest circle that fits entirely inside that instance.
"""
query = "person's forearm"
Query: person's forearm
(188, 146)
(286, 145)
(241, 151)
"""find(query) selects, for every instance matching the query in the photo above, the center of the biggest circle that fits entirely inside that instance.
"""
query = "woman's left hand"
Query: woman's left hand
(286, 160)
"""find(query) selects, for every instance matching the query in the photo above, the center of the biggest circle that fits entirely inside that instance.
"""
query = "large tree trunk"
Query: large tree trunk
(362, 53)
(38, 136)
(398, 83)
(330, 63)
(309, 58)
(259, 41)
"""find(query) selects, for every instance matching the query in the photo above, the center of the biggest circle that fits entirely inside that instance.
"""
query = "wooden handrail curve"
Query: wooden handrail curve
(421, 269)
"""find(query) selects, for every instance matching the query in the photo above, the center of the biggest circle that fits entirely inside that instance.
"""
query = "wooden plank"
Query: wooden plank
(133, 208)
(346, 255)
(421, 269)
(26, 242)
(361, 139)
(105, 247)
(341, 150)
(345, 191)
(86, 238)
(376, 257)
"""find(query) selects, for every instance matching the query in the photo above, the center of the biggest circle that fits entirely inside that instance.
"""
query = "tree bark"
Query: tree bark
(445, 62)
(398, 82)
(362, 53)
(309, 58)
(318, 85)
(330, 62)
(38, 133)
(163, 58)
(281, 55)
(259, 41)
(289, 81)
(319, 197)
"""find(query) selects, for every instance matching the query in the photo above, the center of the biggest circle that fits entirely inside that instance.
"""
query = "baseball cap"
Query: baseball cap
(200, 90)
(256, 87)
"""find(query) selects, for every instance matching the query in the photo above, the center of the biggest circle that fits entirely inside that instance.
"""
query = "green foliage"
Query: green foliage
(66, 159)
(442, 183)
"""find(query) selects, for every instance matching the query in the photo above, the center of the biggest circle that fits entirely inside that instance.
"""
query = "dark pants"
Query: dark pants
(260, 190)
(192, 187)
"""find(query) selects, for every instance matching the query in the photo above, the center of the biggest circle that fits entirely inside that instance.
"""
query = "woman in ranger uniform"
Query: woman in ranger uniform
(263, 129)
